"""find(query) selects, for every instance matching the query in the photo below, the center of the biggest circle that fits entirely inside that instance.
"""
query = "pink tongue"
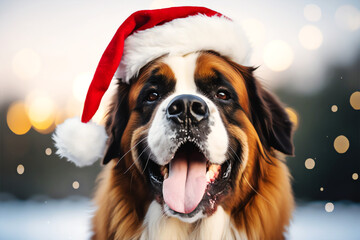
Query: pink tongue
(185, 186)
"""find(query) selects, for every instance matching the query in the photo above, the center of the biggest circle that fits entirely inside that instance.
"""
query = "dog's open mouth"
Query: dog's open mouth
(190, 182)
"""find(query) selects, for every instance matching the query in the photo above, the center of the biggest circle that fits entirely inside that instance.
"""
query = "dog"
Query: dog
(195, 145)
(196, 150)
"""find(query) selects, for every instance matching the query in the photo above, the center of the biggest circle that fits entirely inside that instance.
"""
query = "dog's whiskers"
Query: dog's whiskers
(248, 183)
(147, 161)
(136, 159)
(131, 149)
(235, 153)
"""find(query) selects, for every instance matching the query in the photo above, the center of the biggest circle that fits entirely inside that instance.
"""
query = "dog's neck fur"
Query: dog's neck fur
(158, 226)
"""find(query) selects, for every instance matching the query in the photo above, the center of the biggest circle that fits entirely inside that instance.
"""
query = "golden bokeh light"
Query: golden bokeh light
(41, 111)
(341, 144)
(329, 207)
(76, 185)
(20, 169)
(355, 176)
(310, 37)
(312, 12)
(45, 127)
(41, 108)
(334, 108)
(48, 151)
(310, 163)
(321, 189)
(294, 118)
(26, 64)
(17, 119)
(348, 17)
(278, 55)
(355, 100)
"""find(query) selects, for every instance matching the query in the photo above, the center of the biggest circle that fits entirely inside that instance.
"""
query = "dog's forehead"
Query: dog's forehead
(183, 68)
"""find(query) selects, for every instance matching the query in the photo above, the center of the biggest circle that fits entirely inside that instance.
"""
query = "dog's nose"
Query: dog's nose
(187, 107)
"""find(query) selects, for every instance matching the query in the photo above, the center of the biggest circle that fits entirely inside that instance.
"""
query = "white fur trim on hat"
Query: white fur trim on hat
(81, 143)
(182, 36)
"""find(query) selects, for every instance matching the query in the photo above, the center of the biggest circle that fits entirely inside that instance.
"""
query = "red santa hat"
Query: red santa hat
(143, 37)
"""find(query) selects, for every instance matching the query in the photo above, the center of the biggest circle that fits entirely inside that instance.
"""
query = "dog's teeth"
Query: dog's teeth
(164, 170)
(213, 172)
(166, 176)
(210, 176)
(215, 168)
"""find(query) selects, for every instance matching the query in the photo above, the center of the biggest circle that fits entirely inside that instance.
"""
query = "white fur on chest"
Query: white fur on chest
(158, 226)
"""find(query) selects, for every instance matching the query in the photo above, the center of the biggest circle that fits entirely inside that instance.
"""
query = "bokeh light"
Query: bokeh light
(26, 64)
(278, 55)
(41, 111)
(46, 127)
(48, 151)
(312, 12)
(355, 100)
(293, 116)
(329, 207)
(255, 31)
(20, 169)
(310, 37)
(76, 185)
(17, 119)
(341, 144)
(355, 176)
(334, 108)
(310, 163)
(321, 189)
(81, 85)
(348, 17)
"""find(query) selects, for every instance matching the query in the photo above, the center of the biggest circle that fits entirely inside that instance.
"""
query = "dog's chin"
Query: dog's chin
(188, 175)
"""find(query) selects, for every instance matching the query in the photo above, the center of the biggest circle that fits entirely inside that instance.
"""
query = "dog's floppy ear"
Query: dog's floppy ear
(269, 117)
(116, 122)
(274, 122)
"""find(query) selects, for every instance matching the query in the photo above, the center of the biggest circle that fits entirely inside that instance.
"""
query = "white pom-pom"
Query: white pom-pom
(81, 143)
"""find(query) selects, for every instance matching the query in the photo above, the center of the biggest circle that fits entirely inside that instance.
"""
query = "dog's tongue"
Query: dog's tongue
(185, 186)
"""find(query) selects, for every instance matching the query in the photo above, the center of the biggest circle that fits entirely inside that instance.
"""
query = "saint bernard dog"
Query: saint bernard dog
(200, 142)
(195, 144)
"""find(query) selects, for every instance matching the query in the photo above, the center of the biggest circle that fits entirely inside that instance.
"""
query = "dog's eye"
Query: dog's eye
(223, 95)
(152, 96)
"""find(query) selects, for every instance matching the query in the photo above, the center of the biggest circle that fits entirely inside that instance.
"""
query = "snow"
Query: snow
(50, 219)
(70, 219)
(311, 221)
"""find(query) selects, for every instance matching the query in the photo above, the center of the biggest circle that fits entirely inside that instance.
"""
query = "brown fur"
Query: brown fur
(261, 200)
